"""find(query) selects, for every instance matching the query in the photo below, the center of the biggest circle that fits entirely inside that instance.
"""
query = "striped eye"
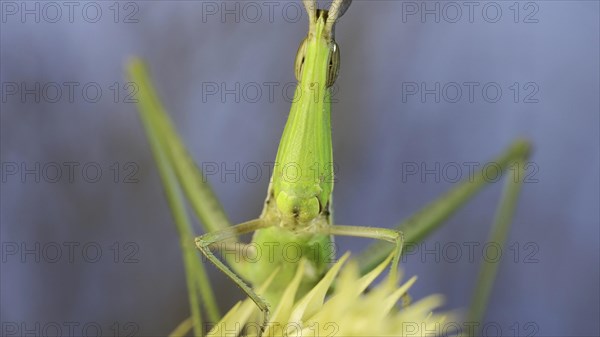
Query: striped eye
(300, 56)
(334, 64)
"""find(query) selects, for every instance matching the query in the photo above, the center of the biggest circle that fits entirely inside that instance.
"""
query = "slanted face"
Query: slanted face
(317, 64)
(316, 68)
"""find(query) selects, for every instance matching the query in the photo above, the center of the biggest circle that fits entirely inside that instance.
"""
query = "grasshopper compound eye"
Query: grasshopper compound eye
(334, 64)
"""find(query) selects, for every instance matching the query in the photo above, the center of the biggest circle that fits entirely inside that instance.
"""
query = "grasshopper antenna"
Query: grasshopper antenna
(336, 11)
(311, 10)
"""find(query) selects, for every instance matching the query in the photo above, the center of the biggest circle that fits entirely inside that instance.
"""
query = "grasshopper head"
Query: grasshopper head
(321, 30)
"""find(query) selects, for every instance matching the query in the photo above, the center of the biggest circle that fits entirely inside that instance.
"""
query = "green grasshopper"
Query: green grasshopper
(298, 206)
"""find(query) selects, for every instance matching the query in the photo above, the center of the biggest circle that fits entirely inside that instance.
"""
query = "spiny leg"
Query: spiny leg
(499, 233)
(204, 203)
(391, 235)
(204, 242)
(197, 281)
(430, 217)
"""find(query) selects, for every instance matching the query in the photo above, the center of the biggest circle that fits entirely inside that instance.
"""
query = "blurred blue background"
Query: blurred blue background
(101, 251)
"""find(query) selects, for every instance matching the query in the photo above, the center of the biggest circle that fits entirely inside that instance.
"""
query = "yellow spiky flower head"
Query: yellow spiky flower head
(348, 311)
